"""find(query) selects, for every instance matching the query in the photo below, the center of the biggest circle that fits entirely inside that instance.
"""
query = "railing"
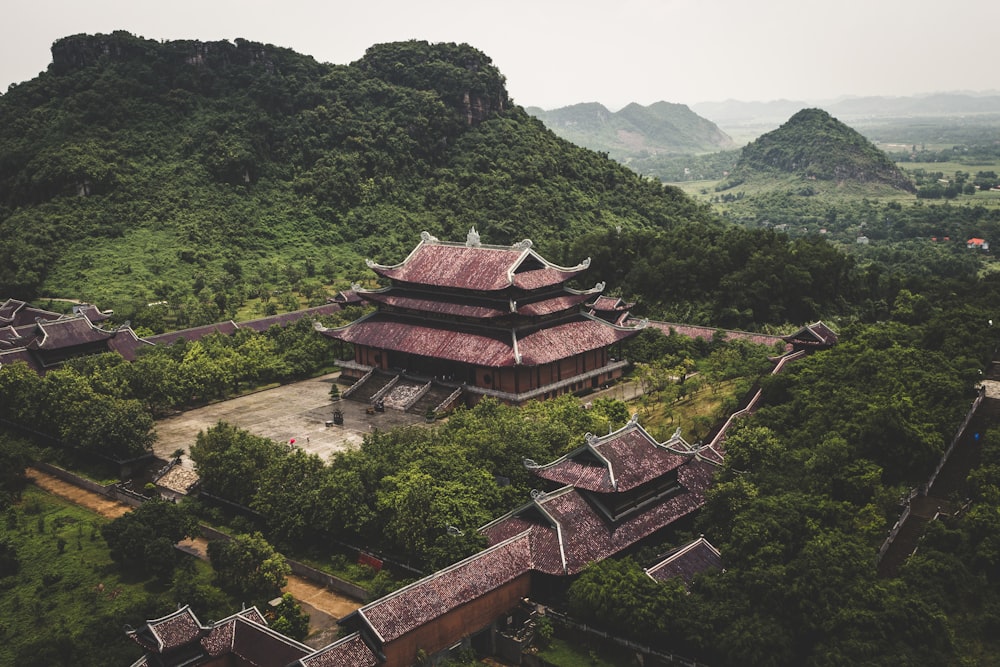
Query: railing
(783, 361)
(417, 396)
(925, 488)
(447, 403)
(385, 389)
(364, 378)
(535, 393)
(897, 527)
(954, 441)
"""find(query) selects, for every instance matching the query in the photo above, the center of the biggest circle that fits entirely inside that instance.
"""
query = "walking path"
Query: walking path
(324, 606)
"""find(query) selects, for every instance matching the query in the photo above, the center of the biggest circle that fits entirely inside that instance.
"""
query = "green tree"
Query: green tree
(231, 462)
(144, 538)
(248, 566)
(289, 619)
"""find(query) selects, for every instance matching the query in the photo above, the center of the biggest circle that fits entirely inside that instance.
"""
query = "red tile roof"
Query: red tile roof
(813, 335)
(480, 346)
(18, 313)
(477, 267)
(350, 651)
(687, 561)
(194, 333)
(553, 305)
(707, 333)
(479, 309)
(472, 346)
(619, 461)
(568, 533)
(284, 319)
(419, 603)
(564, 340)
(67, 332)
(169, 632)
(610, 303)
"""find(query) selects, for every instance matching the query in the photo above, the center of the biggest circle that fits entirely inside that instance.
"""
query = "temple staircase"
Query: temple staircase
(435, 395)
(369, 387)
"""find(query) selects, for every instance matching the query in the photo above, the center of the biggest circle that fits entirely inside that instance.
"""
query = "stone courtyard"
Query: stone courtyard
(298, 411)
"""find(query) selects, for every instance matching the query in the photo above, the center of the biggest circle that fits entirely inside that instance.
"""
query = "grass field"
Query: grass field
(68, 593)
(66, 577)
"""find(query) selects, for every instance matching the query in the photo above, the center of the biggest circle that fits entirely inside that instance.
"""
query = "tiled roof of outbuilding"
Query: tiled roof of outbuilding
(567, 533)
(169, 632)
(619, 461)
(349, 651)
(417, 604)
(194, 333)
(687, 561)
(67, 332)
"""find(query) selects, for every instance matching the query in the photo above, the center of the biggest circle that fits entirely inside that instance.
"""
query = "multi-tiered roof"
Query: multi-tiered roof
(480, 305)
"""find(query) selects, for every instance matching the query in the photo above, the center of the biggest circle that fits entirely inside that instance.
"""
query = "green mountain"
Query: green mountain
(636, 131)
(814, 146)
(134, 170)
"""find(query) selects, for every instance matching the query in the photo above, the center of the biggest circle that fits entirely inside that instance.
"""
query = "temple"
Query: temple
(491, 320)
(609, 497)
(43, 339)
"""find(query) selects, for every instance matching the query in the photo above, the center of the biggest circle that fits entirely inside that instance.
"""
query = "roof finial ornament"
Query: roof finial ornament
(591, 439)
(523, 244)
(599, 287)
(472, 240)
(634, 420)
(537, 495)
(426, 237)
(355, 287)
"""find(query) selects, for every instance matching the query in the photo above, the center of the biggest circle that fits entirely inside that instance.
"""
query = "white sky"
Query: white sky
(560, 52)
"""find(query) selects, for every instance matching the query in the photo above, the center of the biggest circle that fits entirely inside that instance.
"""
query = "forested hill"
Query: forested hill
(815, 145)
(134, 170)
(662, 127)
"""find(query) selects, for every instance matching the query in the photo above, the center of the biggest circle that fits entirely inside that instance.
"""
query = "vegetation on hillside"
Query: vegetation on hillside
(135, 171)
(813, 145)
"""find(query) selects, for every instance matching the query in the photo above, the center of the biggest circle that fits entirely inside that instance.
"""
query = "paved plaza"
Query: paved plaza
(298, 411)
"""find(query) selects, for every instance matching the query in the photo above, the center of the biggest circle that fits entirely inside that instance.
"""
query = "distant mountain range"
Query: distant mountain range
(733, 112)
(636, 130)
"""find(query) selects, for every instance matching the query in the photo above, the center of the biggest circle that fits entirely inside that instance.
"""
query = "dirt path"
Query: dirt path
(95, 502)
(323, 606)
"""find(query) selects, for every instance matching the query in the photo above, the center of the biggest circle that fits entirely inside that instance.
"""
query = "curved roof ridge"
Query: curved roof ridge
(318, 326)
(641, 324)
(596, 289)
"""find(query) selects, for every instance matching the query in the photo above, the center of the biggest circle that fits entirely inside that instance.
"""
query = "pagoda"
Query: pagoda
(490, 320)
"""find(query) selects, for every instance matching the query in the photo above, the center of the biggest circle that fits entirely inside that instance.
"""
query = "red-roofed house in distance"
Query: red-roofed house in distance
(480, 320)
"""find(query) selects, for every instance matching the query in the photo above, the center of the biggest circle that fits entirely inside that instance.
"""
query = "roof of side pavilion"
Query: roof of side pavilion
(619, 461)
(477, 267)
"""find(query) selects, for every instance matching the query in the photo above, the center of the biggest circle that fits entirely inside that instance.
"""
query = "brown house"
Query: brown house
(495, 320)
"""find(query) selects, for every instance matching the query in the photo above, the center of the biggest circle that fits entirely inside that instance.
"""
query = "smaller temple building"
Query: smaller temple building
(608, 497)
(44, 339)
(494, 320)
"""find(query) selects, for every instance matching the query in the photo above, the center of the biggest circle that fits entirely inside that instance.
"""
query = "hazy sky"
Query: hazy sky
(560, 52)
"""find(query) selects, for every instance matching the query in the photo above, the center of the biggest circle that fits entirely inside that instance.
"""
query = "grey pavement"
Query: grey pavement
(298, 411)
